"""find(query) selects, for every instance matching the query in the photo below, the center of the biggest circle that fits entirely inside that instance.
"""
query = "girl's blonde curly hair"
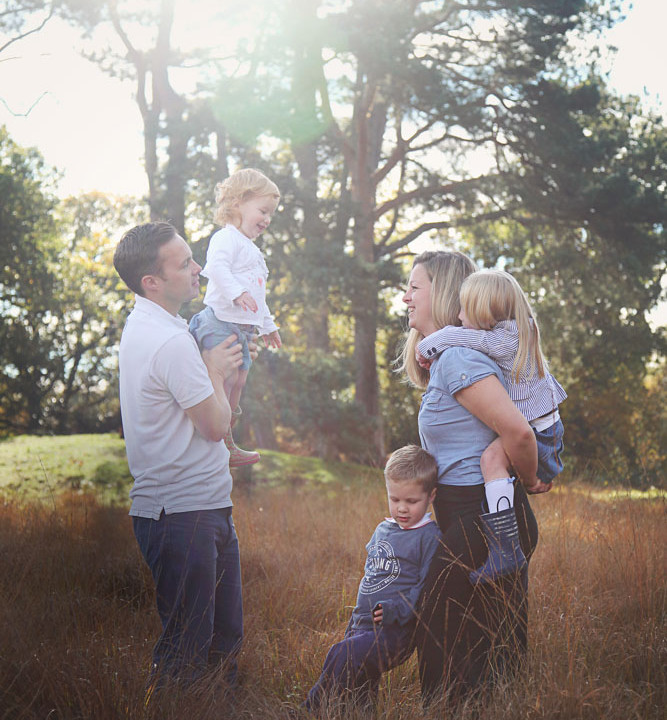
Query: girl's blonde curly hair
(236, 189)
(490, 296)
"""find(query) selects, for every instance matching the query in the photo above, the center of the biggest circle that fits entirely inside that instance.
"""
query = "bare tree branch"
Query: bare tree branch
(392, 248)
(28, 32)
(427, 191)
(29, 110)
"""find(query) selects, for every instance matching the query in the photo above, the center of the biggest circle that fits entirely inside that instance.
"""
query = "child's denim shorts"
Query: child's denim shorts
(208, 331)
(549, 449)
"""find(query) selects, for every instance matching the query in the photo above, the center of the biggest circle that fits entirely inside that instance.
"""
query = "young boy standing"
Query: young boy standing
(379, 635)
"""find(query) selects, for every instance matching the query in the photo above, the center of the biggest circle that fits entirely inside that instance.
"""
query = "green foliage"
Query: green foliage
(379, 104)
(28, 253)
(112, 476)
(400, 401)
(589, 244)
(302, 402)
(60, 301)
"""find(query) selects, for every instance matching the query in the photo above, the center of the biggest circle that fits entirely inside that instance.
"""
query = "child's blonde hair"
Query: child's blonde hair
(413, 464)
(236, 189)
(446, 270)
(489, 296)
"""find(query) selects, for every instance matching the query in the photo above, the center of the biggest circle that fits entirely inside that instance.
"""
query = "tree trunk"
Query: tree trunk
(176, 171)
(316, 309)
(369, 123)
(306, 79)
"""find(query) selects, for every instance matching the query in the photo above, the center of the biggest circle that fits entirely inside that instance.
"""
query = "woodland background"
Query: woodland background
(390, 127)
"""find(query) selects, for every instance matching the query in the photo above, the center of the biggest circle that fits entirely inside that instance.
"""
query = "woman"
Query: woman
(468, 633)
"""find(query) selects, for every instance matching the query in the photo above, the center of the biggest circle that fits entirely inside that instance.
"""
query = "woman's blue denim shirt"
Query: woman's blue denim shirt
(454, 436)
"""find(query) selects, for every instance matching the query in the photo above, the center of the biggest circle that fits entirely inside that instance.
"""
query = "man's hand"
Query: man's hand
(253, 347)
(225, 358)
(246, 301)
(377, 614)
(273, 340)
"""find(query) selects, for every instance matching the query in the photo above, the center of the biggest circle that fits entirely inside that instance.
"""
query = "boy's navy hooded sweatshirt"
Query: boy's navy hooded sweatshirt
(396, 567)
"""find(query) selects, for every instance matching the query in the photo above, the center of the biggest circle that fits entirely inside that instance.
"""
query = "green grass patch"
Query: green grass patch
(38, 468)
(277, 469)
(611, 493)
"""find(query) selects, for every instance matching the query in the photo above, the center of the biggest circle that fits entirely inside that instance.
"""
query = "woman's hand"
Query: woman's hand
(538, 487)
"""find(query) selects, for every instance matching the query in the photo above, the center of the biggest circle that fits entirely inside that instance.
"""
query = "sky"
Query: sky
(87, 125)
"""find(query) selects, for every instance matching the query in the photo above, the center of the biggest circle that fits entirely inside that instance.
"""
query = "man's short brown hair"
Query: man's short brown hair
(137, 253)
(412, 463)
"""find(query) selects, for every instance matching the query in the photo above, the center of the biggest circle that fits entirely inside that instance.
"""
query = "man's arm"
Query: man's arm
(212, 416)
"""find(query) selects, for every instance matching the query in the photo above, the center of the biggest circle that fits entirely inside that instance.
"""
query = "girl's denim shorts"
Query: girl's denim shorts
(208, 331)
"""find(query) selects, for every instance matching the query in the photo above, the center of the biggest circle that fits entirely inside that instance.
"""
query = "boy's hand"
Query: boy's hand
(273, 340)
(246, 301)
(377, 614)
(422, 361)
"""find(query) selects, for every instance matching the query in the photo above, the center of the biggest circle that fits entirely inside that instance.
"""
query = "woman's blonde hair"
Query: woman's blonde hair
(447, 270)
(236, 189)
(489, 296)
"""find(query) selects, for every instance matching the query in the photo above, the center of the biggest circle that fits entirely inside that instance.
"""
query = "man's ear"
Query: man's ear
(149, 283)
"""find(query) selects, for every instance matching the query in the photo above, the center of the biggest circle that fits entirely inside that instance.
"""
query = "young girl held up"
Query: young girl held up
(235, 296)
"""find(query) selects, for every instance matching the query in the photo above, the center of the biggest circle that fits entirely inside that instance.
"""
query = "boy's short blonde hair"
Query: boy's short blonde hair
(236, 189)
(412, 464)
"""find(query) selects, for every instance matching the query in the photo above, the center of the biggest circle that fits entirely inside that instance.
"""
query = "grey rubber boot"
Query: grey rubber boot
(505, 553)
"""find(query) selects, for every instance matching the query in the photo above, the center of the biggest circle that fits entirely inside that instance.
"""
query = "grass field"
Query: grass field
(41, 468)
(77, 617)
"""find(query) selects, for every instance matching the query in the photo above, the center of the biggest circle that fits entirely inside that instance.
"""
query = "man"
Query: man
(175, 414)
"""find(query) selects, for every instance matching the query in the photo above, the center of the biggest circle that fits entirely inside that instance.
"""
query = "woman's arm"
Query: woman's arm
(488, 401)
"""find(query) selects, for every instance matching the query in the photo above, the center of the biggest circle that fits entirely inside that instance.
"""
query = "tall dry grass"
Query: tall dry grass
(77, 620)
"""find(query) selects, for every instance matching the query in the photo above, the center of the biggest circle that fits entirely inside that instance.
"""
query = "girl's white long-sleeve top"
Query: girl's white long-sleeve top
(234, 264)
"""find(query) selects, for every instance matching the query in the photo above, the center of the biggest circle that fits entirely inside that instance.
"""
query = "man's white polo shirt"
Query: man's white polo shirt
(162, 375)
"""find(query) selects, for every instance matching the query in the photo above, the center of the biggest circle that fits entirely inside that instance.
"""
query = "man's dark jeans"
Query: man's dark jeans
(195, 563)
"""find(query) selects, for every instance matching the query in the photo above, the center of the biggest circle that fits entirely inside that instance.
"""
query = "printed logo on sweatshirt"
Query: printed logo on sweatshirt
(382, 568)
